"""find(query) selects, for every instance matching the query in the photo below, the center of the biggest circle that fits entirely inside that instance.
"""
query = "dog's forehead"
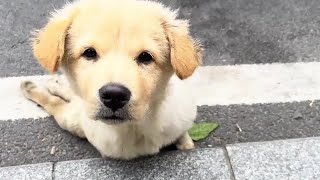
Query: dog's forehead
(112, 25)
(112, 20)
(124, 14)
(131, 28)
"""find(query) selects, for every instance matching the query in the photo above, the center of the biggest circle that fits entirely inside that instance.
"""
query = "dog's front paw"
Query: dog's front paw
(186, 145)
(54, 85)
(57, 86)
(27, 87)
(55, 79)
(185, 142)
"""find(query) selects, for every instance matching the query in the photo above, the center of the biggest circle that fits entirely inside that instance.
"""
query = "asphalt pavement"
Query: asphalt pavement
(232, 31)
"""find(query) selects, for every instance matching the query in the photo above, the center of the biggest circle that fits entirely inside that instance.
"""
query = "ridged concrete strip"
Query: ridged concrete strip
(196, 164)
(41, 171)
(274, 160)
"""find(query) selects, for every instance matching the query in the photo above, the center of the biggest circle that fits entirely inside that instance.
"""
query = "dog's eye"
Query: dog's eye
(144, 58)
(90, 53)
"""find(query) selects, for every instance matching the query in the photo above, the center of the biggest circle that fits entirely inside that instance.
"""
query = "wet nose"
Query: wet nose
(114, 96)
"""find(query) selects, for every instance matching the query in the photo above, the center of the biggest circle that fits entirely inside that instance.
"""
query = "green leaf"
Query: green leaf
(200, 131)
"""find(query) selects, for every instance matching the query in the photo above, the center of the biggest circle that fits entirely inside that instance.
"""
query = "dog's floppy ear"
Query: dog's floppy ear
(49, 42)
(185, 52)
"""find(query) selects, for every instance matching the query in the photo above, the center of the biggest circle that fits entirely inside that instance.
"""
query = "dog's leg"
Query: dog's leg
(185, 142)
(57, 101)
(56, 87)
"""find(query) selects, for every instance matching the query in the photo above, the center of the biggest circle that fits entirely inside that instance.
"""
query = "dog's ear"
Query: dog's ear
(49, 43)
(185, 52)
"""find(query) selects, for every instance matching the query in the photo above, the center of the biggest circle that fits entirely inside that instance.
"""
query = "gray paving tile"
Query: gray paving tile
(27, 172)
(199, 164)
(286, 159)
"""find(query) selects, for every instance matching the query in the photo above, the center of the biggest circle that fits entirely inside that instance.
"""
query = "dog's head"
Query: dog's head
(118, 54)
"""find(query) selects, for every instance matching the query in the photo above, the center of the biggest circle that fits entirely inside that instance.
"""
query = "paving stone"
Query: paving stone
(285, 159)
(41, 171)
(198, 164)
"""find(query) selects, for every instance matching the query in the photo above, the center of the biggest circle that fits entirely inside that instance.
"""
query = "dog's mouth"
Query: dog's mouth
(107, 116)
(113, 119)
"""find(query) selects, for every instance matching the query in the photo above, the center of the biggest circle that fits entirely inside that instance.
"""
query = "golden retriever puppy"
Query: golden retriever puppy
(118, 57)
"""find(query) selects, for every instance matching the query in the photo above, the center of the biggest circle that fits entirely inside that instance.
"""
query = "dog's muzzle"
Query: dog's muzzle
(114, 96)
(113, 99)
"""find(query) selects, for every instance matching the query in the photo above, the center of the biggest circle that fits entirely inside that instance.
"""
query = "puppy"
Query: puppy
(118, 57)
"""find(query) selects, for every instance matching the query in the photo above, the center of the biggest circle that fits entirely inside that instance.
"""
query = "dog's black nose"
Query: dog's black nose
(114, 96)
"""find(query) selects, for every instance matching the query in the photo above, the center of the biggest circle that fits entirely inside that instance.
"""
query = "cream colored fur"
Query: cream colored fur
(160, 112)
